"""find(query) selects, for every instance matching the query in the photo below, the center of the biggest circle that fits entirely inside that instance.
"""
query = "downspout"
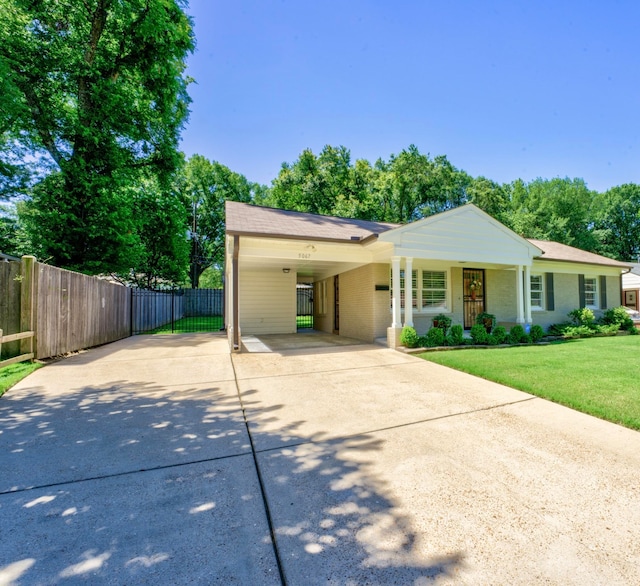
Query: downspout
(236, 281)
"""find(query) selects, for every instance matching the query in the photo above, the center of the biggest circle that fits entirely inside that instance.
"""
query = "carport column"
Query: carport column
(527, 293)
(408, 291)
(393, 333)
(520, 315)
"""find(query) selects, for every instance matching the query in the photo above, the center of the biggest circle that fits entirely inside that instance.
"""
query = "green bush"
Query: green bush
(435, 337)
(457, 335)
(409, 337)
(516, 334)
(500, 334)
(478, 334)
(558, 329)
(422, 342)
(492, 340)
(442, 321)
(571, 332)
(536, 333)
(526, 339)
(582, 317)
(619, 317)
(607, 329)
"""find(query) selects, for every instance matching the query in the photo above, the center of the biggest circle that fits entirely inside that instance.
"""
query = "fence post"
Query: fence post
(27, 304)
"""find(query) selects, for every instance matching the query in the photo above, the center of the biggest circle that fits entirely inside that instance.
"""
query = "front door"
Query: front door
(473, 295)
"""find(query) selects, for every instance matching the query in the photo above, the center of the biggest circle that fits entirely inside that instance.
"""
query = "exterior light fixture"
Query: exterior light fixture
(285, 270)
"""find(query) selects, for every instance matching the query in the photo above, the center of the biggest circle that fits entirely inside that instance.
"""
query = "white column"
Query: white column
(395, 293)
(520, 316)
(527, 293)
(408, 292)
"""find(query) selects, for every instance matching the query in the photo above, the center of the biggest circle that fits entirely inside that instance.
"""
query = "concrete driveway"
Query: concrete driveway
(132, 463)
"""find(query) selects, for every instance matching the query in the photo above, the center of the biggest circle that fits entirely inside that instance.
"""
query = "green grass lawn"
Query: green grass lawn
(10, 375)
(192, 324)
(599, 376)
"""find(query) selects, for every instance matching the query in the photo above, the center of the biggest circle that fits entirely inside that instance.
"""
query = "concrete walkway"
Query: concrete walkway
(132, 464)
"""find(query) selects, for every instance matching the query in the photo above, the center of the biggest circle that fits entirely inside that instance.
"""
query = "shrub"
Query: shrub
(536, 333)
(558, 329)
(500, 334)
(607, 330)
(457, 335)
(442, 321)
(526, 339)
(409, 337)
(619, 317)
(435, 337)
(571, 332)
(422, 342)
(478, 334)
(492, 340)
(516, 334)
(582, 317)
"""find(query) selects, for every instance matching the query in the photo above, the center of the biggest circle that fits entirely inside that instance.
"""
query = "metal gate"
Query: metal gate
(474, 295)
(304, 305)
(176, 311)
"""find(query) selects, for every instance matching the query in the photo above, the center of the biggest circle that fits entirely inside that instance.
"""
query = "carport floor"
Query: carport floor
(164, 459)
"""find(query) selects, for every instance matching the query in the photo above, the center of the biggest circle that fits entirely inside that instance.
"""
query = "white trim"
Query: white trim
(408, 291)
(519, 297)
(596, 291)
(542, 291)
(527, 293)
(395, 293)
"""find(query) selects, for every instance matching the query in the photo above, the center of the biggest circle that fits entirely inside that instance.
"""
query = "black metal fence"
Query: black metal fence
(304, 305)
(177, 311)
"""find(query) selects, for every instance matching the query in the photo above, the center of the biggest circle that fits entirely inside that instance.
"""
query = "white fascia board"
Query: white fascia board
(574, 268)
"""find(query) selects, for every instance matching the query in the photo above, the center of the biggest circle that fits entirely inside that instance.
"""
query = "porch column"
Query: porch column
(408, 292)
(527, 293)
(396, 321)
(519, 295)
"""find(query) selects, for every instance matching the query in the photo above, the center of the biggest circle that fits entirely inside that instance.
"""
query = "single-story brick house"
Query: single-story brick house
(461, 262)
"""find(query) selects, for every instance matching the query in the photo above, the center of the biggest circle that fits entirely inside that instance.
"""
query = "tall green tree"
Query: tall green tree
(205, 186)
(421, 186)
(100, 96)
(552, 209)
(617, 222)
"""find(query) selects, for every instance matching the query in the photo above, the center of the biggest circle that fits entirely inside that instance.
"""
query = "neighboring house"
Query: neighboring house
(460, 262)
(631, 288)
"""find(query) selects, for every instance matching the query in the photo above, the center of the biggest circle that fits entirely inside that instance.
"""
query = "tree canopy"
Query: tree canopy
(98, 98)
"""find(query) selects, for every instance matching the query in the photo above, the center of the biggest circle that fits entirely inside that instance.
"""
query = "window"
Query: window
(434, 290)
(537, 292)
(591, 292)
(430, 287)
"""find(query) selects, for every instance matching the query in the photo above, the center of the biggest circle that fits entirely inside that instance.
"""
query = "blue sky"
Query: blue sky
(506, 89)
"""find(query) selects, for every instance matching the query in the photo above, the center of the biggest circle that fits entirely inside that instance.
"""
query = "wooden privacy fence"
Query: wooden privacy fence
(47, 311)
(154, 309)
(75, 311)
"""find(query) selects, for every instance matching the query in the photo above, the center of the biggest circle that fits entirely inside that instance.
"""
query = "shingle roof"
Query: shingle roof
(562, 252)
(246, 219)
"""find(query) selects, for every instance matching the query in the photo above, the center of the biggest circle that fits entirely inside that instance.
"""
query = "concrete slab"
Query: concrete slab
(325, 359)
(436, 476)
(98, 413)
(196, 524)
(351, 401)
